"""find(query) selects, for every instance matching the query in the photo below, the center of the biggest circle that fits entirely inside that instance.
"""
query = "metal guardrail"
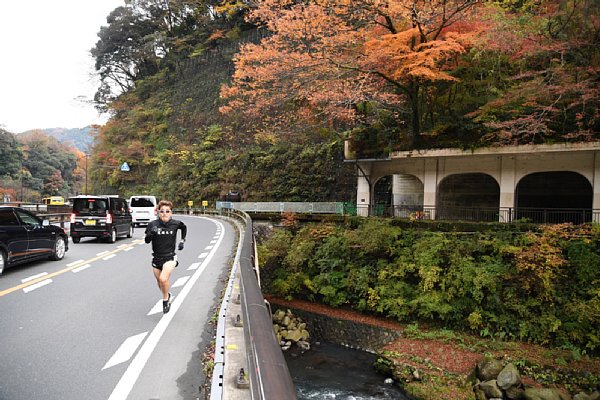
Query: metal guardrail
(268, 373)
(284, 206)
(270, 377)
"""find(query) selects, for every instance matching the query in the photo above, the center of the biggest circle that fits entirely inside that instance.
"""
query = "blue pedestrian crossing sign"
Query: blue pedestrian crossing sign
(125, 167)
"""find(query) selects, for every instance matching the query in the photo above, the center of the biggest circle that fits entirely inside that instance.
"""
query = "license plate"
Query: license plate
(90, 222)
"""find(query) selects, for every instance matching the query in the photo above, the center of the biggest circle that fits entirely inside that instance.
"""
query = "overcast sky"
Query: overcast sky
(45, 62)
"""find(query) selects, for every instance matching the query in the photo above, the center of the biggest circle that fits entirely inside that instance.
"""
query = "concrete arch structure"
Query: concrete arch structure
(507, 165)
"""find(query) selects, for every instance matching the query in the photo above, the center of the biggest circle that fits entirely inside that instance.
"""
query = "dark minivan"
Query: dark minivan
(103, 216)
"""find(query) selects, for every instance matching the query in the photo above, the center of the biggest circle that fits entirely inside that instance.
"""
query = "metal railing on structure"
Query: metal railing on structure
(484, 214)
(268, 374)
(446, 213)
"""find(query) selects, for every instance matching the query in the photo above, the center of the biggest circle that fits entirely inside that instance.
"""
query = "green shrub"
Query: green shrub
(538, 285)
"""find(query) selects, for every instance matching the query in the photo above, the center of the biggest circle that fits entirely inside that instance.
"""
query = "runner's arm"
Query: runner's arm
(183, 228)
(150, 231)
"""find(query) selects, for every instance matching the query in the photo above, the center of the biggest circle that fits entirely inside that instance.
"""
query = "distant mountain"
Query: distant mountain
(81, 138)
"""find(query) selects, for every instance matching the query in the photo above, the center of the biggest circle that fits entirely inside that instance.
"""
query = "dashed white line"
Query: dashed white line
(37, 285)
(75, 263)
(208, 247)
(78, 269)
(203, 255)
(109, 257)
(181, 281)
(194, 266)
(126, 350)
(156, 309)
(33, 277)
(102, 253)
(127, 249)
(213, 241)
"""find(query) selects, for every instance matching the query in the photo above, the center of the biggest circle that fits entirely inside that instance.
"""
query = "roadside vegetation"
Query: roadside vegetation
(522, 293)
(538, 286)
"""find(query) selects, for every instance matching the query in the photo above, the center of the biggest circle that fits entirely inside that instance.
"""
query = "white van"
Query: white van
(143, 209)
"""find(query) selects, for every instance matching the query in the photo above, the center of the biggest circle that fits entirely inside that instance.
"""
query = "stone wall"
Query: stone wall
(346, 333)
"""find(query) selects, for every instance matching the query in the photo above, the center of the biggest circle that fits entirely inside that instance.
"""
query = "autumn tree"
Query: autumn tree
(344, 63)
(50, 164)
(553, 72)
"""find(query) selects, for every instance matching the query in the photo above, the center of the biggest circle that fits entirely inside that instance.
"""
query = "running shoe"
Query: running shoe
(167, 304)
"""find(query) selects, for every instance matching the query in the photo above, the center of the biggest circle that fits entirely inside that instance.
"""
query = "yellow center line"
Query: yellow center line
(62, 271)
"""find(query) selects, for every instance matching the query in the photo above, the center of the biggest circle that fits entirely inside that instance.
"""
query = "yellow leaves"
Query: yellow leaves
(430, 276)
(541, 262)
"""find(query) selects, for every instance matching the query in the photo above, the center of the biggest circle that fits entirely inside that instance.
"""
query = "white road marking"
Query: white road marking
(37, 285)
(33, 277)
(123, 388)
(109, 257)
(127, 249)
(203, 255)
(74, 263)
(121, 246)
(79, 269)
(156, 309)
(213, 241)
(102, 253)
(181, 281)
(126, 350)
(193, 266)
(208, 247)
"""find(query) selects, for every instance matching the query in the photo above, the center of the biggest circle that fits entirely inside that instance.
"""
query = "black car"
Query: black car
(25, 237)
(103, 216)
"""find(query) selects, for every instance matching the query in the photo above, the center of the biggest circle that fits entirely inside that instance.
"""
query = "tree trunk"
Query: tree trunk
(415, 128)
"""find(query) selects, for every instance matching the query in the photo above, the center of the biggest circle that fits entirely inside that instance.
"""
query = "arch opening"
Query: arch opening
(469, 197)
(554, 197)
(382, 196)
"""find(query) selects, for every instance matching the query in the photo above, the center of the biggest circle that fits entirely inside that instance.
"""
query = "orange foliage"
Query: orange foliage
(327, 56)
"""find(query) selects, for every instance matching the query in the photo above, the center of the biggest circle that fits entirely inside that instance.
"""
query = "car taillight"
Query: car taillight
(109, 218)
(73, 218)
(130, 211)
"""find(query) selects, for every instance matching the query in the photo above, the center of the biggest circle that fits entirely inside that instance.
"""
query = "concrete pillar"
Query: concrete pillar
(363, 191)
(430, 187)
(596, 188)
(508, 186)
(407, 194)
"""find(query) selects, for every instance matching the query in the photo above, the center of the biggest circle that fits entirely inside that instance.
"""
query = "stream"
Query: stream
(332, 372)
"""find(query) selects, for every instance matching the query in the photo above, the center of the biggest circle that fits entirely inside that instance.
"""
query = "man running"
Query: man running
(163, 235)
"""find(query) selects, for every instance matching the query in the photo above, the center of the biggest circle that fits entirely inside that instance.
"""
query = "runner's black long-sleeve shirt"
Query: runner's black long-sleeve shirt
(165, 238)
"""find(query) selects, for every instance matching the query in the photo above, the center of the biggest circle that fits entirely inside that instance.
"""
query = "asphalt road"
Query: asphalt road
(91, 326)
